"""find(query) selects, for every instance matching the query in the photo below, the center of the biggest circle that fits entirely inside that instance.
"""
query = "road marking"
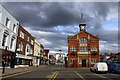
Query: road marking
(50, 78)
(7, 76)
(79, 75)
(53, 76)
(101, 76)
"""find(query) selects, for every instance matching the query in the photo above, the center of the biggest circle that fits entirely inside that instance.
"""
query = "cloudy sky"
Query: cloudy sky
(52, 22)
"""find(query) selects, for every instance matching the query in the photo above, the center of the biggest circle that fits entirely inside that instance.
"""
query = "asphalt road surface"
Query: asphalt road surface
(56, 72)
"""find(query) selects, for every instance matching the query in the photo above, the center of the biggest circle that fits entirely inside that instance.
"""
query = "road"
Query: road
(56, 72)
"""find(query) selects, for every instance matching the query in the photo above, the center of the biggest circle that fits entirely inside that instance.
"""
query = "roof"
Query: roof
(70, 37)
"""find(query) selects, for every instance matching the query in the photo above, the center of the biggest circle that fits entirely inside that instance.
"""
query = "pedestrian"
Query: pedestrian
(3, 66)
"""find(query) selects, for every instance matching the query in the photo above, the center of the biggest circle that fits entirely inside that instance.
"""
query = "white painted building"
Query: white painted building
(8, 35)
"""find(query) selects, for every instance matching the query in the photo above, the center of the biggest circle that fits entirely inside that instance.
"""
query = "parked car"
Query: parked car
(114, 67)
(100, 67)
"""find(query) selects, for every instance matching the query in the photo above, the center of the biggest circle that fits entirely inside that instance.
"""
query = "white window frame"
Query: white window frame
(28, 39)
(83, 49)
(94, 48)
(14, 28)
(8, 23)
(31, 41)
(83, 40)
(21, 34)
(80, 61)
(72, 48)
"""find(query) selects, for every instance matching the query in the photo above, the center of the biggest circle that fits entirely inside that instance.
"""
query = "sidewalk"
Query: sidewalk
(10, 71)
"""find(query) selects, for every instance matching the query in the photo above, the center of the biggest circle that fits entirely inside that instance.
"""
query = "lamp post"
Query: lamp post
(38, 59)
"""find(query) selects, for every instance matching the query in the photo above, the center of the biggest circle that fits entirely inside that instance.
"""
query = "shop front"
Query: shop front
(23, 60)
(9, 58)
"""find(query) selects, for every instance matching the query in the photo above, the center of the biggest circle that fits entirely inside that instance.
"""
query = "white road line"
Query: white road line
(101, 76)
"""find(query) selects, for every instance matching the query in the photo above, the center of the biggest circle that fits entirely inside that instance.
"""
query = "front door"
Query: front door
(84, 63)
(74, 63)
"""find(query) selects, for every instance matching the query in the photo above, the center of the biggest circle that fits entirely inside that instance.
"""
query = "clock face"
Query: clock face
(82, 27)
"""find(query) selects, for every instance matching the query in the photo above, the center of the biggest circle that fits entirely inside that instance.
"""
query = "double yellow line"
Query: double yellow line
(53, 76)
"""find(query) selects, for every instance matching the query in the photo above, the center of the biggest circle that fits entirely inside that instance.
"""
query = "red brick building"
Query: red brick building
(24, 48)
(83, 49)
(45, 56)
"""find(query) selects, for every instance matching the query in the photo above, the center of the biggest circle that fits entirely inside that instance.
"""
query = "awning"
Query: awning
(23, 56)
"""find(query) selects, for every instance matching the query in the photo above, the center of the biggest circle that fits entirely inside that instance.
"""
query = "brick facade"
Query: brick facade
(83, 50)
(25, 47)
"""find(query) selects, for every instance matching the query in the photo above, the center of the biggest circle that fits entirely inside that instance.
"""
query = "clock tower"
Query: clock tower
(82, 25)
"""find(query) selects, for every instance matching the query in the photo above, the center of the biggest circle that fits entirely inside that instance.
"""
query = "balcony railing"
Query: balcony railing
(83, 53)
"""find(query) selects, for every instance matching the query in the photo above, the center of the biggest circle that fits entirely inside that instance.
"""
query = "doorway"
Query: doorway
(84, 63)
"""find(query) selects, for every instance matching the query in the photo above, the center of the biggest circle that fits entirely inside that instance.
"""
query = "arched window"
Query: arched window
(83, 40)
(94, 48)
(28, 49)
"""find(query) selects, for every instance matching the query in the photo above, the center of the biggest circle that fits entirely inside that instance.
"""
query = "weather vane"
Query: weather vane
(81, 16)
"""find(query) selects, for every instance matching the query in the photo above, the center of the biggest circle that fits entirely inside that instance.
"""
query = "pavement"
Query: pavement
(11, 71)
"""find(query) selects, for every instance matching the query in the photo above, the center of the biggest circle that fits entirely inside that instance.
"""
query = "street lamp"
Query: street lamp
(39, 59)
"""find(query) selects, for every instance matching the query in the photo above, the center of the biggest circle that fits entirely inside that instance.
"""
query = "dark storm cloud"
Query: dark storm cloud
(49, 17)
(55, 13)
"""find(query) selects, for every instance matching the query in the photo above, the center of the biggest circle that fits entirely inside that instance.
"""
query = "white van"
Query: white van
(100, 67)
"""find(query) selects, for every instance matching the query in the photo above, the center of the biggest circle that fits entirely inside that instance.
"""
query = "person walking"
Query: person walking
(3, 66)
